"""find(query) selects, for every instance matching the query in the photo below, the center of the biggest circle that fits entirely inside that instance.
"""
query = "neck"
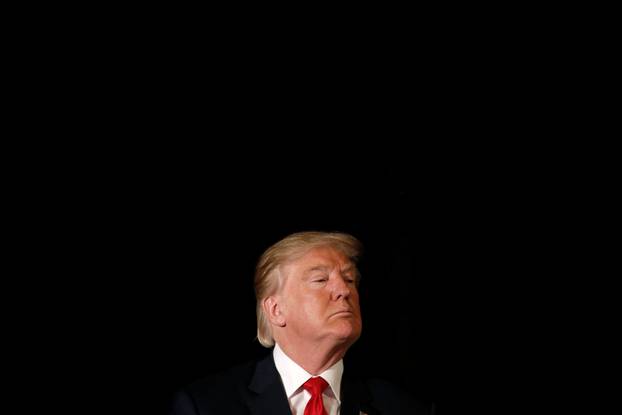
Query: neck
(314, 358)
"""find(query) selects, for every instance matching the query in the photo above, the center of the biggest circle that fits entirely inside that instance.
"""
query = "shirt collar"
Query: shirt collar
(294, 376)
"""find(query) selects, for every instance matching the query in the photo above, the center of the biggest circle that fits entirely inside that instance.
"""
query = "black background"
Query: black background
(138, 260)
(165, 254)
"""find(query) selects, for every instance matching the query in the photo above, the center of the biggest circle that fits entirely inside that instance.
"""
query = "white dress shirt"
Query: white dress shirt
(293, 377)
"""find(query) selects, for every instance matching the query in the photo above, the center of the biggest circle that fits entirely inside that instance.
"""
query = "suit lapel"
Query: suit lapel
(267, 392)
(355, 397)
(350, 401)
(268, 396)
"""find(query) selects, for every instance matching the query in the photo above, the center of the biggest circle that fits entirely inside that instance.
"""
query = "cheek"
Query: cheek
(307, 305)
(358, 307)
(355, 299)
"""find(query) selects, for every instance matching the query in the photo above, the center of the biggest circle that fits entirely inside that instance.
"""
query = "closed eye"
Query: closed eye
(319, 278)
(348, 278)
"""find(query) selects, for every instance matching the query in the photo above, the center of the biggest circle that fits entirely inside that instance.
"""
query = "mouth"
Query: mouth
(344, 313)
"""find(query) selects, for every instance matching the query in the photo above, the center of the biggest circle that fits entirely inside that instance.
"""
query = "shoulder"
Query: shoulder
(225, 389)
(390, 398)
(223, 381)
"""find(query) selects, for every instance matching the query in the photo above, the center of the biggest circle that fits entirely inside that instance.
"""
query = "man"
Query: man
(308, 309)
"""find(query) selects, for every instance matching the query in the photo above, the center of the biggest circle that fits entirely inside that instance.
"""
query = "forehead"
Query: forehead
(322, 256)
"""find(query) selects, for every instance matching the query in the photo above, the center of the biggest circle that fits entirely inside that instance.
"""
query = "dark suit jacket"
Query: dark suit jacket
(256, 389)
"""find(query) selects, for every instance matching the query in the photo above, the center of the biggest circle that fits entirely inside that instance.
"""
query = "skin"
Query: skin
(316, 316)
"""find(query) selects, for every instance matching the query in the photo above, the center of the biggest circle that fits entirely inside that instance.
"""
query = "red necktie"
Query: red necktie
(315, 386)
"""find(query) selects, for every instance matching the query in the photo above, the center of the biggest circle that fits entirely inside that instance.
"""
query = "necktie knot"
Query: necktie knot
(315, 386)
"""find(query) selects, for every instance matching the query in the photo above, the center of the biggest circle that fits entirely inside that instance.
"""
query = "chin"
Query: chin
(348, 333)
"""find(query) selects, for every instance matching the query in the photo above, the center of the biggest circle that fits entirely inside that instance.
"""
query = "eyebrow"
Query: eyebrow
(348, 268)
(317, 268)
(325, 268)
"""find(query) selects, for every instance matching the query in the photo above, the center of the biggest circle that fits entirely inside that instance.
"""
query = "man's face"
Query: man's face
(319, 299)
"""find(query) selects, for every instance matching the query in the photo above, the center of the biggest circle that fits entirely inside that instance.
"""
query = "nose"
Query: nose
(341, 289)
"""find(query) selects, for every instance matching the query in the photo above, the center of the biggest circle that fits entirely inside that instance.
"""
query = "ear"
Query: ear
(272, 309)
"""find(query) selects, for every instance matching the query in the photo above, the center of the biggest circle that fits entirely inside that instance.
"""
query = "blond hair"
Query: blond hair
(268, 279)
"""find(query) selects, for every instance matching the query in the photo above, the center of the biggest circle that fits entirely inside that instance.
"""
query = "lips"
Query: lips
(342, 313)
